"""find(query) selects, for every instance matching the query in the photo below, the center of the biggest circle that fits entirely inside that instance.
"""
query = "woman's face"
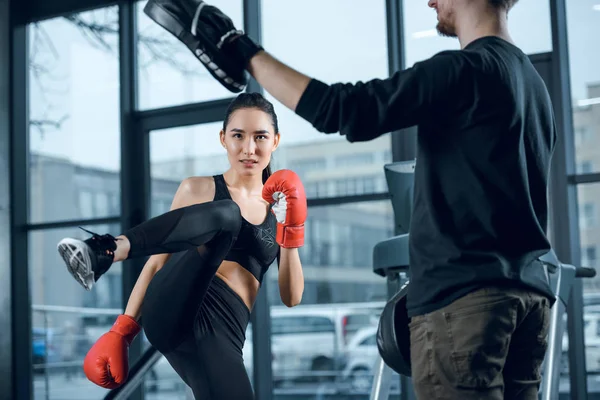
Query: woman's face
(249, 139)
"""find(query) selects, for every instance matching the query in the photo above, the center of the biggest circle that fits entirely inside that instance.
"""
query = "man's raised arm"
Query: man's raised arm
(361, 111)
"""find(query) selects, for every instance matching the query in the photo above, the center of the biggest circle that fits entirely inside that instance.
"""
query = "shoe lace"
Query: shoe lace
(104, 242)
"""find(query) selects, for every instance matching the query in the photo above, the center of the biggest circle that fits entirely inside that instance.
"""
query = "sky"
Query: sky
(81, 80)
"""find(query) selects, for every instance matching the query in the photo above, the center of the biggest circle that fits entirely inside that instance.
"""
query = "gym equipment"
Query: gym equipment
(390, 260)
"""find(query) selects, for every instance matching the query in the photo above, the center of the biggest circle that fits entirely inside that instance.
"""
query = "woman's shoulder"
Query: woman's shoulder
(198, 187)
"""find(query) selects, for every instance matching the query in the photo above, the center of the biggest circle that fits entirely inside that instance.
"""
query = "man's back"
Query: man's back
(480, 213)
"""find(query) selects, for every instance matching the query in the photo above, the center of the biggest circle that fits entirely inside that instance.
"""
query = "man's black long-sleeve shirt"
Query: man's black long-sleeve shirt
(486, 135)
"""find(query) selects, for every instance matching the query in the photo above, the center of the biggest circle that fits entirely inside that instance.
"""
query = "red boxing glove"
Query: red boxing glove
(285, 191)
(107, 362)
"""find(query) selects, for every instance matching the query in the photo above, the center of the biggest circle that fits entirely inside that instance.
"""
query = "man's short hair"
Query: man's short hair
(505, 4)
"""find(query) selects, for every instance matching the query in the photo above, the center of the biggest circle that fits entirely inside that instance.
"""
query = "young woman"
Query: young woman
(229, 228)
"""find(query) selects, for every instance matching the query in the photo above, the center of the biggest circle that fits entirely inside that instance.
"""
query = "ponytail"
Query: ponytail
(266, 173)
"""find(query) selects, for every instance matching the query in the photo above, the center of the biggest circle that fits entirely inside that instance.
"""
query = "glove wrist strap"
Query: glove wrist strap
(290, 237)
(246, 48)
(126, 327)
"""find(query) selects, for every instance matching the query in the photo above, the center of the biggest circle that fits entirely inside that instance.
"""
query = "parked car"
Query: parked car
(361, 358)
(309, 342)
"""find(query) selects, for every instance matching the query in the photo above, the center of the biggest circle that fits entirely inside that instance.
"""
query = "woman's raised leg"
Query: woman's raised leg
(177, 230)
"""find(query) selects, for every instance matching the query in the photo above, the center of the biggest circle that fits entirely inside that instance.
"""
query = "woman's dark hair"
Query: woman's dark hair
(253, 100)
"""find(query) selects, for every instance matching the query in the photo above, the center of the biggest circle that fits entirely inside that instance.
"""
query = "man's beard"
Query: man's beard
(446, 30)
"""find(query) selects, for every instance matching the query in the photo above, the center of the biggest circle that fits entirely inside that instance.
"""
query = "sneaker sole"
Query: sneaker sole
(77, 259)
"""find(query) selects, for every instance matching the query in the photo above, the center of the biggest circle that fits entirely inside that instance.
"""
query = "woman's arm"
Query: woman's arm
(136, 298)
(291, 278)
(190, 191)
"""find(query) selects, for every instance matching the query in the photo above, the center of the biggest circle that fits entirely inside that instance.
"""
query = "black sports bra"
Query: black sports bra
(255, 248)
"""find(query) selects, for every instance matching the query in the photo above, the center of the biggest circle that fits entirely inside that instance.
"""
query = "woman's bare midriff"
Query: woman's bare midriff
(240, 280)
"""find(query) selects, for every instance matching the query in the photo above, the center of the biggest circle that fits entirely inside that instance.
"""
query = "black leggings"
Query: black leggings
(194, 319)
(209, 359)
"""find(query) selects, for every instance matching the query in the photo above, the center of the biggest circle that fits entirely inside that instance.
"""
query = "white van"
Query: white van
(309, 341)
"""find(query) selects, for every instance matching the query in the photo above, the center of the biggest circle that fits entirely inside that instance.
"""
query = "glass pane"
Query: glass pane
(323, 344)
(588, 199)
(583, 22)
(528, 21)
(74, 139)
(184, 79)
(67, 319)
(178, 153)
(326, 51)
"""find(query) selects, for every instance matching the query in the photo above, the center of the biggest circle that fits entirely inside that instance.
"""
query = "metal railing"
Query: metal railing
(136, 374)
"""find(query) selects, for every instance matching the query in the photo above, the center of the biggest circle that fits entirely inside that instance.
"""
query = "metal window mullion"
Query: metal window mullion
(583, 178)
(134, 160)
(19, 170)
(565, 228)
(73, 223)
(38, 10)
(182, 115)
(8, 194)
(261, 314)
(404, 141)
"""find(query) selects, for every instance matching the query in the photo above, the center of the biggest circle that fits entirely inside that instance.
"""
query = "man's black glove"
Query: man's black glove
(211, 35)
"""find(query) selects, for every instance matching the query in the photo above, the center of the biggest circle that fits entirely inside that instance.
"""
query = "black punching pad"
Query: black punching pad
(393, 335)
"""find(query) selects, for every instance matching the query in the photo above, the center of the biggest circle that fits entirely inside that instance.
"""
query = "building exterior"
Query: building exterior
(586, 122)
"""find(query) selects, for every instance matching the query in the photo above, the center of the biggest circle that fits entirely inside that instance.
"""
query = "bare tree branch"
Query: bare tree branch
(100, 29)
(42, 124)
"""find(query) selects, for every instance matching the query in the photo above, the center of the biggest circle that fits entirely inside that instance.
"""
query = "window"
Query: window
(325, 50)
(387, 156)
(86, 205)
(529, 24)
(352, 160)
(587, 216)
(582, 136)
(102, 207)
(66, 319)
(588, 196)
(583, 23)
(588, 256)
(330, 277)
(169, 74)
(339, 281)
(311, 190)
(304, 167)
(308, 324)
(585, 167)
(583, 19)
(179, 153)
(74, 116)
